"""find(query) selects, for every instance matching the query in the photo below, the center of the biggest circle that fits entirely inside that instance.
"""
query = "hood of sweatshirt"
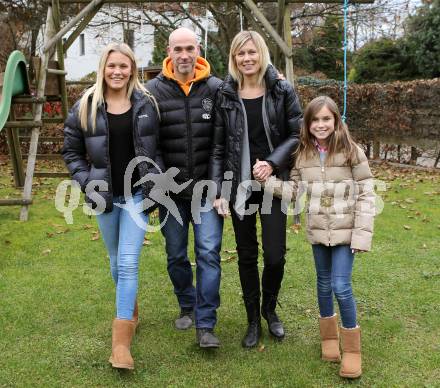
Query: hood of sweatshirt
(202, 71)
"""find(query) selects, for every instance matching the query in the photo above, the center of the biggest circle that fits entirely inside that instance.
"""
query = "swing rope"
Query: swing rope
(345, 60)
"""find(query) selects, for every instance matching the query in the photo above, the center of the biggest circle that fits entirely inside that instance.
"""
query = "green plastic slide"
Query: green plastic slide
(15, 82)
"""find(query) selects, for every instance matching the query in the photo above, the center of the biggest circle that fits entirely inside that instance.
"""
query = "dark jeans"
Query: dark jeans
(334, 266)
(205, 298)
(273, 233)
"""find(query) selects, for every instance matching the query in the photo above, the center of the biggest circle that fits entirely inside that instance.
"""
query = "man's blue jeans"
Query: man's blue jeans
(205, 298)
(123, 238)
(334, 266)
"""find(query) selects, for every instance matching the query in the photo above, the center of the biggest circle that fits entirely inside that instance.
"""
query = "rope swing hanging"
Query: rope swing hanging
(345, 60)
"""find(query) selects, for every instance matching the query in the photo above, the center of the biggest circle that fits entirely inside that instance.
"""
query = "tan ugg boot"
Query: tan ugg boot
(328, 328)
(135, 318)
(122, 334)
(351, 365)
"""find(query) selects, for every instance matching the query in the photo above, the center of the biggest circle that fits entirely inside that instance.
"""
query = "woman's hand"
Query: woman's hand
(357, 251)
(222, 207)
(262, 170)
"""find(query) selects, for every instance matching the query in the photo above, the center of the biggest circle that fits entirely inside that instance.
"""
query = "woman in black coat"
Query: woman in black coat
(115, 121)
(257, 120)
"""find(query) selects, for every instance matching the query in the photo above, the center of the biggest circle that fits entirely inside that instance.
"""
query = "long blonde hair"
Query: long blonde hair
(340, 141)
(98, 89)
(237, 43)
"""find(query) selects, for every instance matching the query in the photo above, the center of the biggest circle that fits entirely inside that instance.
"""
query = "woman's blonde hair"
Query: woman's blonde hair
(340, 141)
(237, 43)
(97, 91)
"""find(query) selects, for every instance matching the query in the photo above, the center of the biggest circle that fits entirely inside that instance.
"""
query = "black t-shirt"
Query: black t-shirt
(258, 144)
(121, 149)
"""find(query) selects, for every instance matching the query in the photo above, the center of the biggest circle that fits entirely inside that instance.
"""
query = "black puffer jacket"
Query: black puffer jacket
(186, 127)
(86, 153)
(283, 114)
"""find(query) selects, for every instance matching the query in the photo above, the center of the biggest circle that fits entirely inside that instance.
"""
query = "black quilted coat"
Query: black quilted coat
(86, 153)
(186, 127)
(283, 113)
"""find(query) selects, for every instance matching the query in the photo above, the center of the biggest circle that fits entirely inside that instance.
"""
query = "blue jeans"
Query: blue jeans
(123, 238)
(334, 266)
(205, 298)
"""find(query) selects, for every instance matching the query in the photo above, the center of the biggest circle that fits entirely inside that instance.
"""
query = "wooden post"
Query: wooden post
(54, 39)
(288, 40)
(268, 27)
(80, 27)
(60, 57)
(272, 47)
(437, 159)
(280, 25)
(414, 155)
(27, 191)
(376, 150)
(15, 152)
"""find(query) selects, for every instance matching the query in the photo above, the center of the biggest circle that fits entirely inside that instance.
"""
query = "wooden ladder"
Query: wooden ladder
(13, 125)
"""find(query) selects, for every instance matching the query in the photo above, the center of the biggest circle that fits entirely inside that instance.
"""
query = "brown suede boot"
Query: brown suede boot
(122, 334)
(135, 318)
(328, 327)
(351, 365)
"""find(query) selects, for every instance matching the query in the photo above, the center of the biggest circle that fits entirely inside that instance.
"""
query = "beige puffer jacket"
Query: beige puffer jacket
(340, 199)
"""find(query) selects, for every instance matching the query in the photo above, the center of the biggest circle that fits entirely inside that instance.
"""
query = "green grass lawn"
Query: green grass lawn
(57, 304)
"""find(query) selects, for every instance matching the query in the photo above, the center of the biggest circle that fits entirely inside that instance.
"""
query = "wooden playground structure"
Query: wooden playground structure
(50, 78)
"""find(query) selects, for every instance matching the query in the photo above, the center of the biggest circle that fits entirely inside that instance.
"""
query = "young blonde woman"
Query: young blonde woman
(115, 121)
(257, 122)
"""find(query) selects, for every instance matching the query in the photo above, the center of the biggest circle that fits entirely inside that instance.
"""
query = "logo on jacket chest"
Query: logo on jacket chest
(207, 105)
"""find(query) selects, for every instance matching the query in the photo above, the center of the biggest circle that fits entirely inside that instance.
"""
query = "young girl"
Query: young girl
(339, 185)
(115, 121)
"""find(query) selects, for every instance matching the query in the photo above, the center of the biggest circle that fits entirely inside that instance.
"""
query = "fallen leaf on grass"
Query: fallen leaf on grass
(407, 227)
(424, 246)
(46, 251)
(87, 226)
(295, 228)
(48, 234)
(230, 251)
(62, 231)
(230, 258)
(193, 264)
(409, 200)
(261, 348)
(146, 242)
(428, 275)
(95, 236)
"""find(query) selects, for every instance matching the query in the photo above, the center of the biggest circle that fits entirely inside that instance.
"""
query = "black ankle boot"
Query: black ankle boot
(268, 312)
(253, 332)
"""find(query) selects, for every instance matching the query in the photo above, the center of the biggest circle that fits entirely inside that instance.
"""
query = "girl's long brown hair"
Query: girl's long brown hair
(340, 141)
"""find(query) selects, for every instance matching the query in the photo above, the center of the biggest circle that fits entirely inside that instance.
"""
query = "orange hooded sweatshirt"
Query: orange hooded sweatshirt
(202, 71)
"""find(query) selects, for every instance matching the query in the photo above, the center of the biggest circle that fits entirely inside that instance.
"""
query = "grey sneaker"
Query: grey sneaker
(185, 320)
(206, 338)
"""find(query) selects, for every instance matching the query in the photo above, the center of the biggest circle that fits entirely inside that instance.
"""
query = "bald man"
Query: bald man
(185, 92)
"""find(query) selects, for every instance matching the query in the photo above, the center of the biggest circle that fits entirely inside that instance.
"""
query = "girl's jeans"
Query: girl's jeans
(123, 238)
(334, 266)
